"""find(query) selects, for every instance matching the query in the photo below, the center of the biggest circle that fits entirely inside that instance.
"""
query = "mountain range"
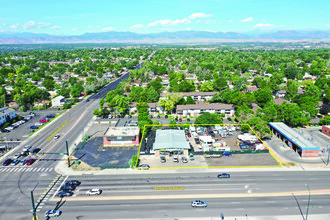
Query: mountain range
(163, 37)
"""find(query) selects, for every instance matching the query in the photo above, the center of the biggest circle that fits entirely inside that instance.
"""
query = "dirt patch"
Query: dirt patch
(82, 166)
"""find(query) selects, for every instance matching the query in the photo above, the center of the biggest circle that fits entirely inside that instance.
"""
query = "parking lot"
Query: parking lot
(230, 142)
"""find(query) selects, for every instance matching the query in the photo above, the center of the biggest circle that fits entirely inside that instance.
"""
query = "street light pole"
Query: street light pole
(309, 199)
(33, 207)
(328, 155)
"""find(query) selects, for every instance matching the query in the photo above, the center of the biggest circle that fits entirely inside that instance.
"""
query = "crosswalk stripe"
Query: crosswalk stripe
(34, 169)
(50, 169)
(10, 169)
(15, 169)
(28, 169)
(42, 169)
(39, 169)
(19, 169)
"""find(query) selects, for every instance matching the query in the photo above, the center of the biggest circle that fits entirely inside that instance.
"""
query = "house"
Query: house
(13, 105)
(255, 107)
(58, 101)
(279, 101)
(41, 103)
(153, 108)
(197, 96)
(198, 109)
(251, 88)
(7, 114)
(280, 93)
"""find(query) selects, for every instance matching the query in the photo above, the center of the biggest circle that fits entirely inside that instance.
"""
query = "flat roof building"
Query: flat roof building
(170, 141)
(294, 140)
(121, 136)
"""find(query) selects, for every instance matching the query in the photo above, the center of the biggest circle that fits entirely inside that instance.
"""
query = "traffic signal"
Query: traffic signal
(43, 153)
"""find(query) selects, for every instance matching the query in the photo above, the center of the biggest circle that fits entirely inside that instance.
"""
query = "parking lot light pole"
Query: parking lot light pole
(309, 199)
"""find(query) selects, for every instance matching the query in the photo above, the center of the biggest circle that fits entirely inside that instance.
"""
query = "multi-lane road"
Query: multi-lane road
(16, 182)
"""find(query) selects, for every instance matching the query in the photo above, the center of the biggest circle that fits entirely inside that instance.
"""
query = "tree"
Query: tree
(263, 96)
(190, 101)
(325, 120)
(209, 118)
(156, 85)
(220, 83)
(206, 87)
(240, 83)
(291, 89)
(170, 101)
(49, 84)
(291, 72)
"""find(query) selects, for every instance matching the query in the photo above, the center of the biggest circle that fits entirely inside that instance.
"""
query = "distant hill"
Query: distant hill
(163, 37)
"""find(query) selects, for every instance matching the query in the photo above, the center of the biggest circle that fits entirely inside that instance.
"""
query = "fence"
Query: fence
(234, 152)
(114, 166)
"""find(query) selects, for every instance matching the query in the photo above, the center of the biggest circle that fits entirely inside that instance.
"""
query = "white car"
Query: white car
(53, 213)
(93, 192)
(38, 123)
(26, 148)
(16, 156)
(57, 136)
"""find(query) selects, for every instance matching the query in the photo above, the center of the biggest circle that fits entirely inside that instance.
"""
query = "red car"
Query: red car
(43, 120)
(30, 161)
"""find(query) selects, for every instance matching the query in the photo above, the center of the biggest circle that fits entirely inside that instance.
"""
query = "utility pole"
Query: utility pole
(33, 207)
(328, 155)
(309, 199)
(67, 153)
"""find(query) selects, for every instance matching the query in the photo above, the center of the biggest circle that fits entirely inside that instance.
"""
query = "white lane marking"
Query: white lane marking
(11, 169)
(38, 169)
(60, 186)
(50, 169)
(42, 169)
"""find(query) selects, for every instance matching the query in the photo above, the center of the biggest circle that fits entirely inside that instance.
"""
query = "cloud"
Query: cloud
(168, 22)
(107, 29)
(34, 25)
(74, 29)
(188, 29)
(249, 19)
(14, 26)
(199, 15)
(264, 25)
(138, 26)
(4, 24)
(328, 25)
(230, 21)
(55, 27)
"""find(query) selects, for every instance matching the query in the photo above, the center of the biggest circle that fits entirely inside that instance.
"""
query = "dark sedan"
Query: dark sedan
(7, 162)
(64, 194)
(73, 183)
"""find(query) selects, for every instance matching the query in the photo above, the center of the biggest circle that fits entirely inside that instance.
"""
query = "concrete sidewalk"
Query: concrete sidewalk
(63, 169)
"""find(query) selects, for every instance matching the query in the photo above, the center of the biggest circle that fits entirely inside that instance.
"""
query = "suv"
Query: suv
(53, 213)
(191, 156)
(184, 160)
(224, 175)
(162, 159)
(175, 159)
(226, 153)
(7, 162)
(198, 203)
(93, 192)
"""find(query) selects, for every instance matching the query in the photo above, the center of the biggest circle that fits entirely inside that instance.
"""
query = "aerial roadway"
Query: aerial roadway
(152, 196)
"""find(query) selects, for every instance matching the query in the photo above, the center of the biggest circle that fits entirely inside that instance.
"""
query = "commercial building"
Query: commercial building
(326, 130)
(121, 136)
(167, 141)
(294, 140)
(58, 101)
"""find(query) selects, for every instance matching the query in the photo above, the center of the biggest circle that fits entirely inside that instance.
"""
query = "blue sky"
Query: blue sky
(71, 17)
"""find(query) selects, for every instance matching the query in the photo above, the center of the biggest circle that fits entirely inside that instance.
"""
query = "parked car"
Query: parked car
(38, 123)
(229, 119)
(7, 162)
(110, 117)
(175, 159)
(65, 193)
(198, 203)
(180, 119)
(34, 127)
(87, 100)
(44, 120)
(197, 141)
(93, 192)
(50, 116)
(36, 150)
(224, 175)
(162, 159)
(73, 183)
(15, 162)
(143, 167)
(30, 161)
(188, 134)
(226, 153)
(53, 213)
(23, 162)
(26, 148)
(191, 156)
(16, 156)
(68, 188)
(5, 130)
(184, 160)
